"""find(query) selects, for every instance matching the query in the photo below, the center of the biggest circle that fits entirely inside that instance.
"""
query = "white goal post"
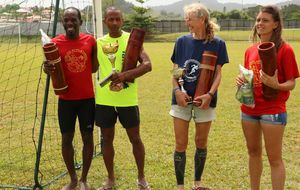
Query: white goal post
(15, 28)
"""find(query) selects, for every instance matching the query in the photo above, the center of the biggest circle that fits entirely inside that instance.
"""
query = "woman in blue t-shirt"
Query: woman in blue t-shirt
(187, 55)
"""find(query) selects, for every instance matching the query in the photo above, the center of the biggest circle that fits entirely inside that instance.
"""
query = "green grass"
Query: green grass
(234, 35)
(226, 167)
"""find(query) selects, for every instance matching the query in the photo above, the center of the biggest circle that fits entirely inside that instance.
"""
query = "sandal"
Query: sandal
(107, 186)
(83, 186)
(69, 187)
(143, 186)
(201, 188)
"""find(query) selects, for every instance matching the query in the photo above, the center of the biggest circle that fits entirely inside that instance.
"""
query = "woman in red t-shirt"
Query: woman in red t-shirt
(268, 118)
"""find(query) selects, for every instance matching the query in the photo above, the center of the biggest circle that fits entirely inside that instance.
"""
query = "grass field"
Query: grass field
(233, 35)
(226, 167)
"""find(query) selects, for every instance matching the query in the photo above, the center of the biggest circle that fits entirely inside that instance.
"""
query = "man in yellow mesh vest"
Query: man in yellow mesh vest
(113, 101)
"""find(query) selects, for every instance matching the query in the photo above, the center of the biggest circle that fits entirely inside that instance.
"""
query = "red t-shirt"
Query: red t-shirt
(76, 59)
(287, 69)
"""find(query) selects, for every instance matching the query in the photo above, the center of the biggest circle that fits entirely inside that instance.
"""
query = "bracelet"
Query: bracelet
(211, 94)
(175, 89)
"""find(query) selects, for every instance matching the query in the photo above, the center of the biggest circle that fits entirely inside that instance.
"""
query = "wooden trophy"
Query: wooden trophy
(206, 74)
(59, 83)
(133, 49)
(267, 54)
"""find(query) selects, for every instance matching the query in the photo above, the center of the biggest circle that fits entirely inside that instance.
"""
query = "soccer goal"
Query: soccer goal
(11, 30)
(30, 140)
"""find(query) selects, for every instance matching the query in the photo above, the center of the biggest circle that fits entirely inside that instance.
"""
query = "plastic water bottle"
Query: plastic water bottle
(45, 38)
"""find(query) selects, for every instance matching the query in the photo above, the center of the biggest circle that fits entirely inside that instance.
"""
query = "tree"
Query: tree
(218, 15)
(123, 5)
(13, 10)
(252, 11)
(234, 14)
(140, 18)
(290, 11)
(164, 15)
(36, 10)
(295, 15)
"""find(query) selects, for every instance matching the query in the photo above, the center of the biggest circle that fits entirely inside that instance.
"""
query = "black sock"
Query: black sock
(200, 157)
(179, 164)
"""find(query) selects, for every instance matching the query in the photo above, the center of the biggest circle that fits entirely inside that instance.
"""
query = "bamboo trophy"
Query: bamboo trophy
(58, 79)
(267, 54)
(206, 74)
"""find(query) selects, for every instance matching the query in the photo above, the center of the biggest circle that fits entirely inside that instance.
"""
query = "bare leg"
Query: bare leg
(201, 138)
(253, 134)
(138, 149)
(273, 141)
(109, 152)
(181, 130)
(68, 155)
(87, 155)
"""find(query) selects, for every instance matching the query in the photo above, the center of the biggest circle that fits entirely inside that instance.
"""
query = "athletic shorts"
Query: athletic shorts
(275, 119)
(106, 116)
(69, 110)
(199, 115)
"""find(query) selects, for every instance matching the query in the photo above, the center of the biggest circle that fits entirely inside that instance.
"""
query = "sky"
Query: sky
(148, 2)
(165, 2)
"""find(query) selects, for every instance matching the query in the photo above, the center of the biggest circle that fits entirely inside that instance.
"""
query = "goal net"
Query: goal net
(11, 29)
(23, 88)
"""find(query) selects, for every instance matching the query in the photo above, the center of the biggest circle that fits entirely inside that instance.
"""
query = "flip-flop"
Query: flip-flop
(68, 187)
(83, 186)
(201, 188)
(142, 186)
(106, 186)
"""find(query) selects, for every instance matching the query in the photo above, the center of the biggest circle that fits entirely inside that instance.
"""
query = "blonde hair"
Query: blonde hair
(199, 10)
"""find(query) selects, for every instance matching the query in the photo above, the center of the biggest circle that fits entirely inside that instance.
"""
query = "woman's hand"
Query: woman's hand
(271, 81)
(182, 98)
(202, 101)
(240, 80)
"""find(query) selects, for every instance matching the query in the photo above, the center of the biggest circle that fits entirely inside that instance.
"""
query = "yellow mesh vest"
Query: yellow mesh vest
(104, 96)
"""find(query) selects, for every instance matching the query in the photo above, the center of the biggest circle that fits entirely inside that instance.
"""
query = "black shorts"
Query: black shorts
(106, 116)
(68, 110)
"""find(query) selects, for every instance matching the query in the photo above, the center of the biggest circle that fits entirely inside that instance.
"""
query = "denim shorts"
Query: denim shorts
(191, 111)
(276, 119)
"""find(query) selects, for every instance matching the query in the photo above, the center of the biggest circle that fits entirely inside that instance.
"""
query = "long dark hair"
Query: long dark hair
(276, 37)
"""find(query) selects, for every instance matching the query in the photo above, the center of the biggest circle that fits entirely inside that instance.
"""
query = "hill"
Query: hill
(213, 5)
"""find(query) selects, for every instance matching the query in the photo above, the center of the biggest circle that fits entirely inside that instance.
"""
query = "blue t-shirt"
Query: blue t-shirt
(187, 54)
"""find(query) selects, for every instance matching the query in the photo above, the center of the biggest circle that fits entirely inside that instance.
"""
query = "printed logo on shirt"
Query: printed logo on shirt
(192, 67)
(255, 66)
(76, 60)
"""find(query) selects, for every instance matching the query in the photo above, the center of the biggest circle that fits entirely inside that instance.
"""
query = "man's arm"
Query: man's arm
(95, 63)
(144, 67)
(48, 68)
